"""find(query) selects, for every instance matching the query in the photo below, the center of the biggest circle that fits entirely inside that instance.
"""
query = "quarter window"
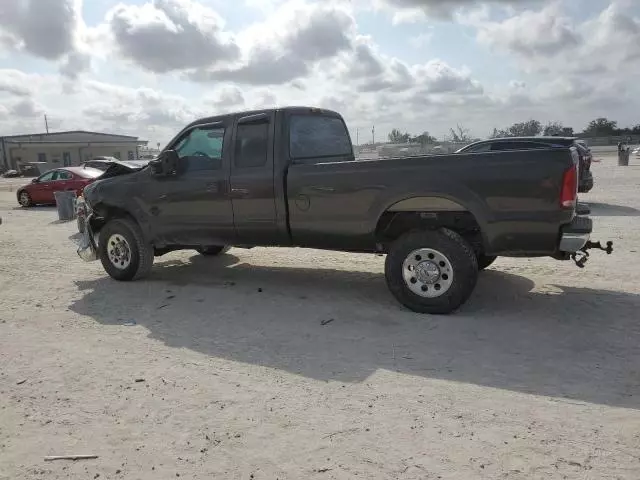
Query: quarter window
(315, 136)
(251, 145)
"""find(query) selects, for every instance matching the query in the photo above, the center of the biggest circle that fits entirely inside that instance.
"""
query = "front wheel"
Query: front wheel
(24, 199)
(431, 271)
(212, 251)
(123, 251)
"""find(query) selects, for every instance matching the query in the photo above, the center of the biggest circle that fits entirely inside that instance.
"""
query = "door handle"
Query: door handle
(323, 189)
(240, 191)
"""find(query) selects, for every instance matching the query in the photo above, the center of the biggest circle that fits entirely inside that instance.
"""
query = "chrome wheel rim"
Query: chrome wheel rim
(427, 272)
(24, 199)
(118, 251)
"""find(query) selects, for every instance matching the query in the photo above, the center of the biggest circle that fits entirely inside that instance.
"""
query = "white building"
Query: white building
(61, 149)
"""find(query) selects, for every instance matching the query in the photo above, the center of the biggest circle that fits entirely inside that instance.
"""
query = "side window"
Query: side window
(485, 147)
(62, 175)
(251, 145)
(47, 177)
(201, 148)
(116, 155)
(517, 146)
(315, 136)
(56, 175)
(500, 146)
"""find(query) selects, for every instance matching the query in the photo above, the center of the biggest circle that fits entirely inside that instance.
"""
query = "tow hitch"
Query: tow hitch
(582, 255)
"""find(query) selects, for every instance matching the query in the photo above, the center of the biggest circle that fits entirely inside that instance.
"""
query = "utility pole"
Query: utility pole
(373, 135)
(357, 137)
(46, 124)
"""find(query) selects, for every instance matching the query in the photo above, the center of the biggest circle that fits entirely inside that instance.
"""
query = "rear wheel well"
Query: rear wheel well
(392, 225)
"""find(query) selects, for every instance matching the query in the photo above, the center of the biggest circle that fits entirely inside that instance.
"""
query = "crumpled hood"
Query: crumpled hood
(119, 167)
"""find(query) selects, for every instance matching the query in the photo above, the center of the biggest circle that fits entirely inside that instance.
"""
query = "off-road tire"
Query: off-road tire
(212, 250)
(485, 261)
(460, 255)
(141, 251)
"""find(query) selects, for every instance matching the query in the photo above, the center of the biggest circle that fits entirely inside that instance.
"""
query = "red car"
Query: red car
(41, 189)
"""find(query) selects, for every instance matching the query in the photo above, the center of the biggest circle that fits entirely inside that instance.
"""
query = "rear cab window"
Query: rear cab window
(317, 138)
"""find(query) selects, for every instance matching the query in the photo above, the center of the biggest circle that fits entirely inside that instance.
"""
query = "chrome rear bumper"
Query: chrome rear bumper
(575, 235)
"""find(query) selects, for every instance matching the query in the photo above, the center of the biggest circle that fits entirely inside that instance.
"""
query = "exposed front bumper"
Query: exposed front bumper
(87, 249)
(575, 235)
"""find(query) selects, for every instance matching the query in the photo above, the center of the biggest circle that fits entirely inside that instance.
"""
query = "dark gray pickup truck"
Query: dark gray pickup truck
(288, 177)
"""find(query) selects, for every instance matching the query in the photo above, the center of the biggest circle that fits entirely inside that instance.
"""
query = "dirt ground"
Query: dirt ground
(298, 364)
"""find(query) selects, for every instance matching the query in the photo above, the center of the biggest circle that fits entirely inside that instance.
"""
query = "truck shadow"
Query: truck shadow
(557, 341)
(608, 210)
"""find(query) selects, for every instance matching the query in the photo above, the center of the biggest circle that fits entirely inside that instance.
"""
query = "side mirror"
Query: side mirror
(35, 180)
(165, 164)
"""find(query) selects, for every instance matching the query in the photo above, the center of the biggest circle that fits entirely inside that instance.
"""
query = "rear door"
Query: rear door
(252, 180)
(63, 180)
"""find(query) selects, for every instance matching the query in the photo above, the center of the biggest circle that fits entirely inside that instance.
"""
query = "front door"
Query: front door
(192, 207)
(252, 186)
(66, 159)
(42, 190)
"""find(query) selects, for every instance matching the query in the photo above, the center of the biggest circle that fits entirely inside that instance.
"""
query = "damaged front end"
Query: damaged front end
(87, 247)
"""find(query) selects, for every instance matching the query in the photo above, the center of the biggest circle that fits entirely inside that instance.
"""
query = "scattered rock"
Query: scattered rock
(259, 290)
(20, 382)
(138, 380)
(129, 323)
(326, 322)
(170, 297)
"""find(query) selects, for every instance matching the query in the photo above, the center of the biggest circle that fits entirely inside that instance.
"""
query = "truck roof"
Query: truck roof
(292, 109)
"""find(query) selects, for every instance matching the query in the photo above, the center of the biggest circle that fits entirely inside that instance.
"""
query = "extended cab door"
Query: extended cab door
(192, 207)
(252, 180)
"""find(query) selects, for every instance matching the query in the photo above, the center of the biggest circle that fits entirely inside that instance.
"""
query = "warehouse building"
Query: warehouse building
(63, 149)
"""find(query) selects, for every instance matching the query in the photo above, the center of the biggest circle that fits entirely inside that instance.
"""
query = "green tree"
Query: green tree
(601, 127)
(556, 128)
(396, 136)
(424, 139)
(530, 128)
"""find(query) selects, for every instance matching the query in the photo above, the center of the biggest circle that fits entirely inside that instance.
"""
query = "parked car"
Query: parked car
(536, 143)
(41, 189)
(11, 174)
(636, 151)
(288, 177)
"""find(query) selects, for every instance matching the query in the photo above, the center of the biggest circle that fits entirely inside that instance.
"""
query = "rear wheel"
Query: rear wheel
(485, 261)
(431, 271)
(212, 250)
(24, 199)
(123, 251)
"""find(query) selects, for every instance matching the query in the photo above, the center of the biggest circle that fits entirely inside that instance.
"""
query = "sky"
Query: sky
(148, 67)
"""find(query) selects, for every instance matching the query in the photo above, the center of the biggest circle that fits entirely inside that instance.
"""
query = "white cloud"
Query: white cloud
(169, 35)
(287, 45)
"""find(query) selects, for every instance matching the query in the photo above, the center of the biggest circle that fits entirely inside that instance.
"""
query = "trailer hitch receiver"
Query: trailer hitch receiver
(581, 256)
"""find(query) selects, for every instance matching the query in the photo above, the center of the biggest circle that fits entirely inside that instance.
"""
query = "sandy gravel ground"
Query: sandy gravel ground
(229, 372)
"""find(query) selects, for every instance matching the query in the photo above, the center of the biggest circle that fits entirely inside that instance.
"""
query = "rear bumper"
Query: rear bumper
(575, 235)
